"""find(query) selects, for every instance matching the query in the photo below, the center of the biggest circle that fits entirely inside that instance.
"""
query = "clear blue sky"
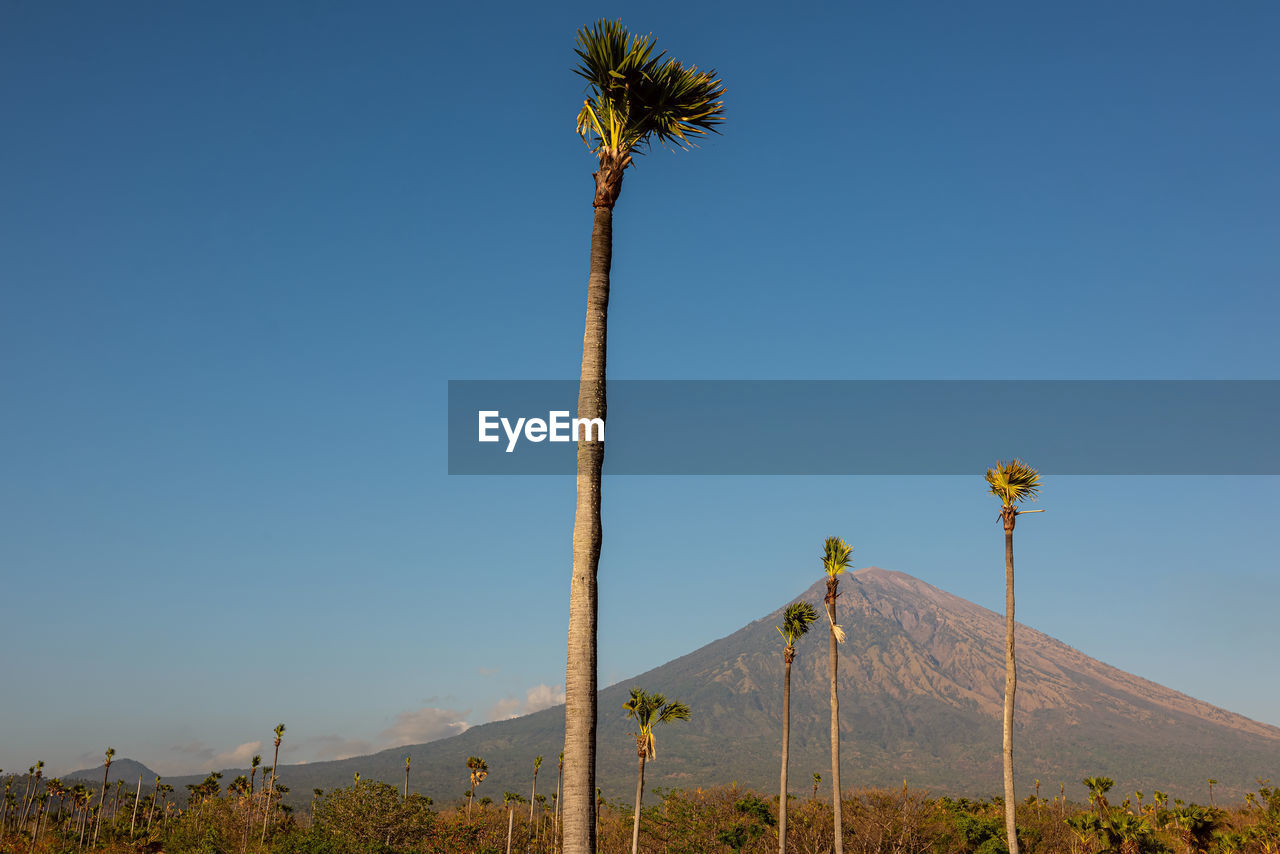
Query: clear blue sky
(243, 248)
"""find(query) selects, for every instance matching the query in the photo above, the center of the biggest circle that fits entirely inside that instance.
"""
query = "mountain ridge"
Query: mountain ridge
(921, 687)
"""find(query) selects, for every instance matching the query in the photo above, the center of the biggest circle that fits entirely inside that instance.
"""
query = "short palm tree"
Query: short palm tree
(796, 620)
(636, 96)
(479, 769)
(648, 710)
(1012, 483)
(836, 558)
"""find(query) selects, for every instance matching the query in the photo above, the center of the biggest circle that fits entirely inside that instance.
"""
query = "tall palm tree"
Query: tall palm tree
(796, 620)
(636, 96)
(102, 801)
(648, 710)
(406, 778)
(253, 770)
(1012, 483)
(836, 557)
(271, 790)
(479, 770)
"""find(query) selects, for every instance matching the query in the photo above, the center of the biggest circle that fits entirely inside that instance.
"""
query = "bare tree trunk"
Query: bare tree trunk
(133, 822)
(788, 656)
(832, 594)
(580, 669)
(511, 818)
(1010, 686)
(102, 804)
(555, 816)
(635, 825)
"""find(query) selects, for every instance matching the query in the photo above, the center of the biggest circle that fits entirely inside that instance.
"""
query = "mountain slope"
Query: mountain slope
(921, 682)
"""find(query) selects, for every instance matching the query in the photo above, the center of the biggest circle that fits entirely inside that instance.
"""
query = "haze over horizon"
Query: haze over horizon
(245, 248)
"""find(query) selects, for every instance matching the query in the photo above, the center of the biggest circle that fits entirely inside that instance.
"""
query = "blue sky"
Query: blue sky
(244, 248)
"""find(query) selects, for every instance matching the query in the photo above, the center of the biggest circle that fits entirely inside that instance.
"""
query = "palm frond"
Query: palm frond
(636, 94)
(1013, 482)
(796, 620)
(836, 556)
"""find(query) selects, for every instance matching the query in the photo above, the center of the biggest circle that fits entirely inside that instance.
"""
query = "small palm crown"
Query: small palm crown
(636, 94)
(648, 710)
(796, 620)
(1013, 483)
(836, 558)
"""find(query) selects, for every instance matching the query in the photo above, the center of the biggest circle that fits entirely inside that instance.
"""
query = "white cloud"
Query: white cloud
(425, 724)
(541, 697)
(238, 757)
(536, 699)
(324, 747)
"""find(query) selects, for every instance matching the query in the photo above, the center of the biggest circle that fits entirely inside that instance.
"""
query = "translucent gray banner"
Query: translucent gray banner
(872, 427)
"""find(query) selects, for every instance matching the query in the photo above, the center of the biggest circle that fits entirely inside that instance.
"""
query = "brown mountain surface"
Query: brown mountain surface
(921, 682)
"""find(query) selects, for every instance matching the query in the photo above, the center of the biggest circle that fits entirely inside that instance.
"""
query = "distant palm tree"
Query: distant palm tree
(636, 96)
(796, 620)
(253, 770)
(836, 557)
(555, 816)
(1212, 782)
(533, 792)
(479, 769)
(102, 801)
(406, 778)
(817, 781)
(1012, 483)
(509, 800)
(271, 790)
(648, 710)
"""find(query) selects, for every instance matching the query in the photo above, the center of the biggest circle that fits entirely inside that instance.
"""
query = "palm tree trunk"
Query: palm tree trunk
(102, 804)
(511, 818)
(635, 825)
(832, 587)
(580, 670)
(533, 793)
(266, 812)
(555, 816)
(1010, 685)
(787, 657)
(136, 798)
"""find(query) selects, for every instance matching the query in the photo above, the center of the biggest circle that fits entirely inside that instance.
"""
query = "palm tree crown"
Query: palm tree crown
(636, 94)
(1013, 483)
(648, 710)
(796, 620)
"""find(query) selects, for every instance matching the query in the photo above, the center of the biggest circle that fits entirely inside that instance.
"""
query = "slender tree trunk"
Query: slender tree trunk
(511, 819)
(788, 656)
(136, 798)
(555, 816)
(1010, 685)
(102, 804)
(580, 670)
(635, 825)
(832, 594)
(270, 792)
(470, 798)
(533, 793)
